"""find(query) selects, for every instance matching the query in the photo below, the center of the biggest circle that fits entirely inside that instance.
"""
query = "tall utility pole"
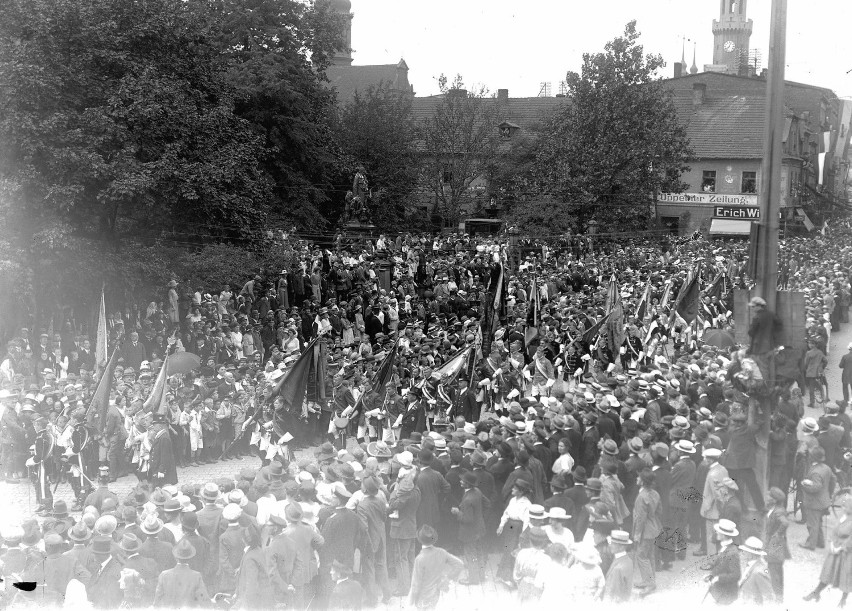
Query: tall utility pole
(770, 205)
(770, 197)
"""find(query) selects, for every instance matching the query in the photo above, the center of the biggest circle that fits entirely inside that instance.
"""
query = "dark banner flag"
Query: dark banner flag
(592, 332)
(96, 414)
(494, 307)
(687, 301)
(293, 386)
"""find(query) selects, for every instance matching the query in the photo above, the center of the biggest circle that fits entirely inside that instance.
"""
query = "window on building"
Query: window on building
(708, 181)
(749, 182)
(447, 176)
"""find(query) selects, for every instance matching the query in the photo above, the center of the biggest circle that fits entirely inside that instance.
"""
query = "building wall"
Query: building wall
(692, 216)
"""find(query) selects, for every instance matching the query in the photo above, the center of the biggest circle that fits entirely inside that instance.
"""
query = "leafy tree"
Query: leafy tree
(613, 146)
(276, 52)
(376, 131)
(459, 144)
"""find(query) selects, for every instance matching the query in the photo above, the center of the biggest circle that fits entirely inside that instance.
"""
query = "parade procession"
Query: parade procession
(279, 332)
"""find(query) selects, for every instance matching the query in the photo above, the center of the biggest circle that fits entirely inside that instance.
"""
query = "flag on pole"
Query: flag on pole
(592, 332)
(687, 300)
(101, 350)
(667, 294)
(292, 388)
(613, 296)
(642, 308)
(494, 306)
(615, 329)
(453, 367)
(96, 414)
(533, 313)
(156, 401)
(378, 381)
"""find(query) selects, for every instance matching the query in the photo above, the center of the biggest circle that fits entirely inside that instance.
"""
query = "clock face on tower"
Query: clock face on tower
(730, 46)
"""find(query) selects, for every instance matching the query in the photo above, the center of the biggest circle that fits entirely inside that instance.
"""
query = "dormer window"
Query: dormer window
(507, 129)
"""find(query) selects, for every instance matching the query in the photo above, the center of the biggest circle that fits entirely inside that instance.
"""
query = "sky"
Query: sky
(517, 45)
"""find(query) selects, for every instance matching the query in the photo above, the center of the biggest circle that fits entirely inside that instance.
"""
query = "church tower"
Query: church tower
(731, 33)
(343, 57)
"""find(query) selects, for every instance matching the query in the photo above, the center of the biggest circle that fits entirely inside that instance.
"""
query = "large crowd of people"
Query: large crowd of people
(592, 438)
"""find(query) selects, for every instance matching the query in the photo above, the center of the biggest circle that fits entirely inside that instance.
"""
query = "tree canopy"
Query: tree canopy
(459, 144)
(376, 131)
(612, 147)
(185, 121)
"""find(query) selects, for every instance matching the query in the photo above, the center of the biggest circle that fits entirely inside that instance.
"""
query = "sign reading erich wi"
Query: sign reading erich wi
(746, 213)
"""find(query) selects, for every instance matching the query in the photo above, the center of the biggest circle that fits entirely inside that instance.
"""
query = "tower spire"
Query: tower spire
(683, 51)
(694, 68)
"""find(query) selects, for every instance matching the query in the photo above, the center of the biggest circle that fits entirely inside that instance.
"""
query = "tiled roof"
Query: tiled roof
(349, 79)
(523, 112)
(724, 126)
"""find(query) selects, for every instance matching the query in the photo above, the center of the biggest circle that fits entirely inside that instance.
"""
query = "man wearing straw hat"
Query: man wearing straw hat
(619, 577)
(755, 585)
(725, 569)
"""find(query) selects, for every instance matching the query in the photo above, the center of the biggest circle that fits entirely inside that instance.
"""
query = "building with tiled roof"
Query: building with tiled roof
(724, 120)
(346, 78)
(516, 119)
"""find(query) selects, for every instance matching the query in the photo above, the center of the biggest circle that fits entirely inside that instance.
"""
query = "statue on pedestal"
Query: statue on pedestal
(357, 200)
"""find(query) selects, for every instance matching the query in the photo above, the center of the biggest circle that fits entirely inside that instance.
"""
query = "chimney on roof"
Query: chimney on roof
(699, 90)
(678, 69)
(503, 96)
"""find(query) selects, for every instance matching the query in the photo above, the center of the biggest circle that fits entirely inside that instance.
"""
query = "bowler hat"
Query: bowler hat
(101, 545)
(129, 543)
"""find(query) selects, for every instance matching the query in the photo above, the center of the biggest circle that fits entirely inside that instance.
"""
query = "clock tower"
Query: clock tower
(731, 33)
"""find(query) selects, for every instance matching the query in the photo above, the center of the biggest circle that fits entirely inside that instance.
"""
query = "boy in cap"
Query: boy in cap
(431, 569)
(181, 587)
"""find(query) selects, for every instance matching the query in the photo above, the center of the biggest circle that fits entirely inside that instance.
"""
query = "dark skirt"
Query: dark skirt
(837, 571)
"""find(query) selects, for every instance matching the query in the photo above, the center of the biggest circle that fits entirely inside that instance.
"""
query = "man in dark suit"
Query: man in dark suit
(153, 547)
(682, 493)
(209, 518)
(372, 510)
(146, 567)
(58, 569)
(115, 435)
(433, 487)
(724, 567)
(818, 484)
(578, 495)
(343, 533)
(619, 577)
(347, 595)
(777, 550)
(133, 352)
(740, 457)
(103, 589)
(471, 527)
(559, 498)
(161, 465)
(181, 587)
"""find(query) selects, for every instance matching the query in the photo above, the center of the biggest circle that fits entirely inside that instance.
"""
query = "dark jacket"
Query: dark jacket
(103, 589)
(405, 504)
(163, 459)
(470, 515)
(725, 567)
(433, 487)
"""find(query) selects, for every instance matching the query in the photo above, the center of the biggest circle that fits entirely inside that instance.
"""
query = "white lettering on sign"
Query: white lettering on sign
(708, 198)
(749, 213)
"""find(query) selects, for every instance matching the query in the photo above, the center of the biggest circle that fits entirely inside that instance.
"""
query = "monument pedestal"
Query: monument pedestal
(356, 231)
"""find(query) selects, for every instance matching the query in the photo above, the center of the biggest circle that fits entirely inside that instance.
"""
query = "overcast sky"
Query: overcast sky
(520, 44)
